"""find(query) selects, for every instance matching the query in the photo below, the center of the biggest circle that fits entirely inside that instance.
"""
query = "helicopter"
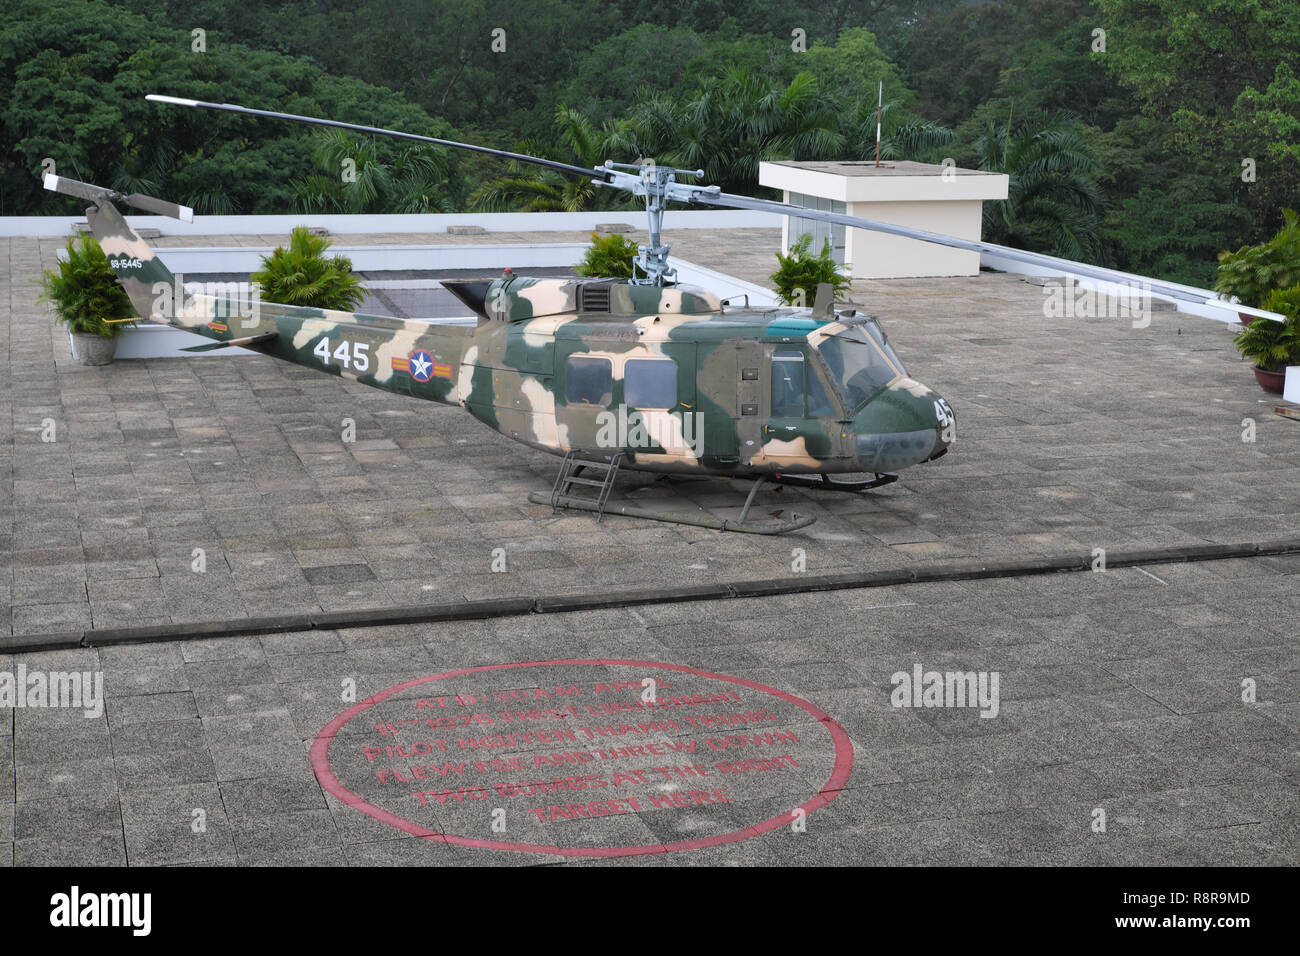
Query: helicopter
(643, 374)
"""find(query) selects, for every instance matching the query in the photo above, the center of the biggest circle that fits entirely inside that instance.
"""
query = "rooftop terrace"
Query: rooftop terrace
(1120, 689)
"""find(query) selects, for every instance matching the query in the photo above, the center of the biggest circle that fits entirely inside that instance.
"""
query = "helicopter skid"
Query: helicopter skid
(744, 525)
(826, 483)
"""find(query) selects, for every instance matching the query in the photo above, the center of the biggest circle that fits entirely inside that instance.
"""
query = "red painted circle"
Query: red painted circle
(839, 772)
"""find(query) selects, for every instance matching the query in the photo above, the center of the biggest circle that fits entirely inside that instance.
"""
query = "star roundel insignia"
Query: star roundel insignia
(421, 366)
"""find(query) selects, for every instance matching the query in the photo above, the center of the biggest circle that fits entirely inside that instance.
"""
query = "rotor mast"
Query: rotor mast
(656, 185)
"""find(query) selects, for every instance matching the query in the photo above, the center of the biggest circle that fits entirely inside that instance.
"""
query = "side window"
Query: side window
(588, 380)
(787, 384)
(650, 383)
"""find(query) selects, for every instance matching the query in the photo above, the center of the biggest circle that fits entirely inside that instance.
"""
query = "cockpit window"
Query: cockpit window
(858, 366)
(877, 333)
(794, 380)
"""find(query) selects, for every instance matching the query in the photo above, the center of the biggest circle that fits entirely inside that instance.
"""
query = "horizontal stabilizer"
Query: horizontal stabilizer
(246, 340)
(98, 194)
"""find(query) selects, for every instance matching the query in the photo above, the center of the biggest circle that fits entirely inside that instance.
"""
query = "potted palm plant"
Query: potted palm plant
(1273, 346)
(303, 275)
(88, 300)
(800, 272)
(608, 257)
(1253, 272)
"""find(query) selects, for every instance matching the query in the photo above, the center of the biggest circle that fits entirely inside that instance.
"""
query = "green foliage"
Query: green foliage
(902, 135)
(1183, 92)
(439, 56)
(1168, 216)
(1176, 55)
(1221, 74)
(303, 275)
(1033, 53)
(85, 292)
(357, 177)
(799, 273)
(1252, 273)
(532, 189)
(1272, 345)
(73, 76)
(608, 256)
(1053, 200)
(852, 66)
(1175, 233)
(734, 122)
(1269, 124)
(612, 73)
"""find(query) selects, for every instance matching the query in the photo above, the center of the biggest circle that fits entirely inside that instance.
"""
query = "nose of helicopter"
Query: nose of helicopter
(904, 425)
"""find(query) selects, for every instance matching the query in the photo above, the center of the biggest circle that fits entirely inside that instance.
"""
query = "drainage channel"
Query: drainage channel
(487, 609)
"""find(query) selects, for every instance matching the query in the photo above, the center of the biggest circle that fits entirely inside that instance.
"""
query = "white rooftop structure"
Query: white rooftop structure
(944, 199)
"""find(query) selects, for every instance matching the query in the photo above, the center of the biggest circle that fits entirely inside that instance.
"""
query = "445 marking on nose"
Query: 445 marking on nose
(943, 412)
(351, 355)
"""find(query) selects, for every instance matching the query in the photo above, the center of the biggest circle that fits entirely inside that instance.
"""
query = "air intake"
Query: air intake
(595, 298)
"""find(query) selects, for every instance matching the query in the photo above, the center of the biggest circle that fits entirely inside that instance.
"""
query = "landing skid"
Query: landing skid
(700, 520)
(827, 483)
(561, 497)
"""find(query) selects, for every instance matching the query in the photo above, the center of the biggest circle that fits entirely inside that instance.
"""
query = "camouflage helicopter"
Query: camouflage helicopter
(643, 374)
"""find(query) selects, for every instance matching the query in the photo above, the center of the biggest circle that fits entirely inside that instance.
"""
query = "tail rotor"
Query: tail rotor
(99, 194)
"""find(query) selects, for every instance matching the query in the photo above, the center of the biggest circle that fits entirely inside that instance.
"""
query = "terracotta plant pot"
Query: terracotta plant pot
(1245, 319)
(1270, 381)
(93, 349)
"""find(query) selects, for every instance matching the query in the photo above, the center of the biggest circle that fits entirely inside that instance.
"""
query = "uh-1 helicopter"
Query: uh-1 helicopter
(643, 374)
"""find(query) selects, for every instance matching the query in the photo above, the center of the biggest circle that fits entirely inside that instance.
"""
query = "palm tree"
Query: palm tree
(151, 171)
(736, 121)
(1053, 201)
(530, 190)
(416, 180)
(902, 134)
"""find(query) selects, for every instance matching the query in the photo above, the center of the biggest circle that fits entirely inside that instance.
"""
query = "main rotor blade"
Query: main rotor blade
(1051, 263)
(600, 174)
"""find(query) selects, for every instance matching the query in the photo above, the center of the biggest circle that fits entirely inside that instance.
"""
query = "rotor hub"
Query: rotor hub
(656, 185)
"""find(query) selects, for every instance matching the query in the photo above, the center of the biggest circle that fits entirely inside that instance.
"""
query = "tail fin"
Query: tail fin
(132, 259)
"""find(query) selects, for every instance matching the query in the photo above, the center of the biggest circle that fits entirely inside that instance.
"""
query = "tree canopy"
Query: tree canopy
(1188, 111)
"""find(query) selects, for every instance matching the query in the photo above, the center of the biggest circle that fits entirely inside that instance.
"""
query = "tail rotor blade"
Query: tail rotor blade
(98, 194)
(160, 207)
(76, 188)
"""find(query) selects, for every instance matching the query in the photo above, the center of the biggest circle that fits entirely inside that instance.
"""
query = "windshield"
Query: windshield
(876, 332)
(857, 366)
